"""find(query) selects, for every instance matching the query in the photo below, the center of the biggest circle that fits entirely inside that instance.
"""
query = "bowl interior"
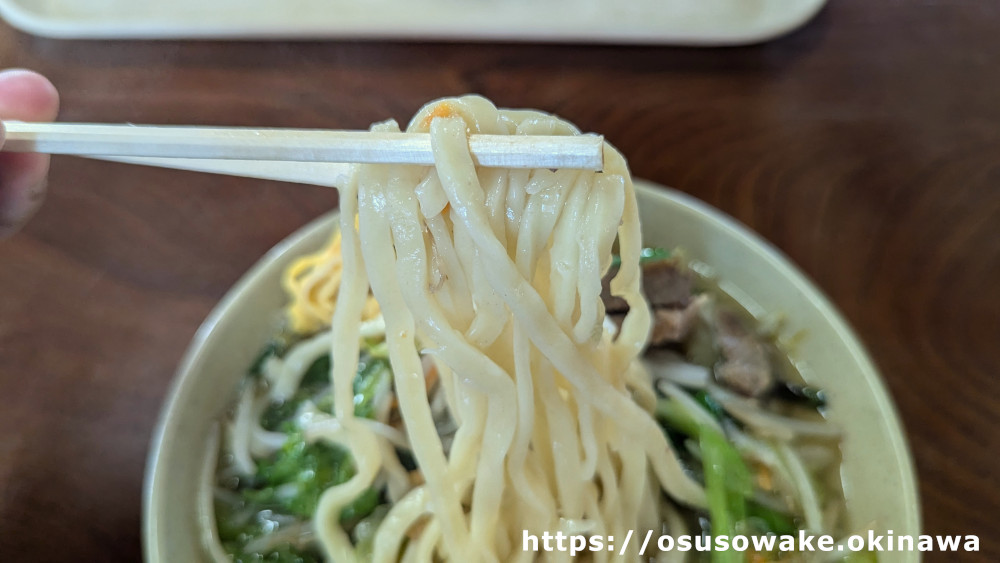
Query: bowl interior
(750, 269)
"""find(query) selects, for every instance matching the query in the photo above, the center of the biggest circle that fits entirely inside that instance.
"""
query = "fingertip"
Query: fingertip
(27, 96)
(22, 188)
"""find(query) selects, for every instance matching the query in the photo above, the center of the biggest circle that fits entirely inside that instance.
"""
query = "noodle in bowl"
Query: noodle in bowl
(490, 281)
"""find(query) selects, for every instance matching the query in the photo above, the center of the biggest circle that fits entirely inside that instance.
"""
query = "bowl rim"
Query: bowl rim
(907, 488)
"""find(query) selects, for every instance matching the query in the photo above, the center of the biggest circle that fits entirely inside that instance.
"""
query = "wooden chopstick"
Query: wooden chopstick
(301, 145)
(329, 174)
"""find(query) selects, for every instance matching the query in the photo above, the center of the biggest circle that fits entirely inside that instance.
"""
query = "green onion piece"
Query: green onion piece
(772, 521)
(710, 404)
(727, 484)
(653, 255)
(646, 255)
(674, 417)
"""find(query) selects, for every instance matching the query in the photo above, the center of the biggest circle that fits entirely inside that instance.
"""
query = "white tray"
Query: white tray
(679, 22)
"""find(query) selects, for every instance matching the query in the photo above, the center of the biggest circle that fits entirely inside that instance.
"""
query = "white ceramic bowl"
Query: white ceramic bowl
(877, 470)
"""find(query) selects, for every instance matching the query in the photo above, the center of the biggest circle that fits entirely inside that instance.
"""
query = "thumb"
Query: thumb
(26, 96)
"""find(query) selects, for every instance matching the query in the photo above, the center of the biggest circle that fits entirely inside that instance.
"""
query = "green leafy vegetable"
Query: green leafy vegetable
(293, 479)
(646, 255)
(235, 522)
(317, 377)
(283, 554)
(728, 482)
(364, 533)
(373, 374)
(314, 380)
(279, 413)
(361, 507)
(769, 520)
(272, 349)
(239, 524)
(287, 486)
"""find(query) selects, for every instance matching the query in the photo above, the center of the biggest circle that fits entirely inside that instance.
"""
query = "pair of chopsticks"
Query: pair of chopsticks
(278, 153)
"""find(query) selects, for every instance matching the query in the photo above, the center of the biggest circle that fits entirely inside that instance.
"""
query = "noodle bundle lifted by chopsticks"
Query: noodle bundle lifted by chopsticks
(468, 368)
(495, 275)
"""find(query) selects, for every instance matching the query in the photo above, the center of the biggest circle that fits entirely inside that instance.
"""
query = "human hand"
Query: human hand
(24, 96)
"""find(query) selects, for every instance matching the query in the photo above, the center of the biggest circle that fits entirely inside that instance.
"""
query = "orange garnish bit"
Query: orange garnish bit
(443, 109)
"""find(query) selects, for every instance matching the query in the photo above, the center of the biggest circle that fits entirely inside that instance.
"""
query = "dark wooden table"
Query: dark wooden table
(866, 146)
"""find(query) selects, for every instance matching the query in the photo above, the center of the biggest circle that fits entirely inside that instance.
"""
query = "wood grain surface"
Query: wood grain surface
(866, 146)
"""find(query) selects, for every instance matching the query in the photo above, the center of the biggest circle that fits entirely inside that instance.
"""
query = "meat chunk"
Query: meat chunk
(667, 285)
(745, 367)
(674, 324)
